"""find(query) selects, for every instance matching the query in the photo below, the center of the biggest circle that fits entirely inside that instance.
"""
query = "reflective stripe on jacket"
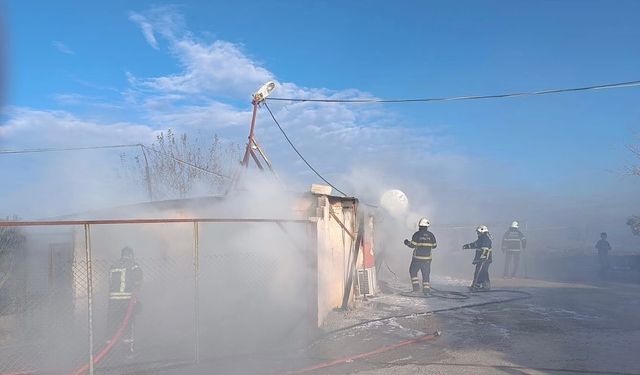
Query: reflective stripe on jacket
(483, 248)
(513, 240)
(124, 277)
(422, 243)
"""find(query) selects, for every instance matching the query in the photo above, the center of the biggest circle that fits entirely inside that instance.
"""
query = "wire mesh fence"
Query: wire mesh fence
(210, 288)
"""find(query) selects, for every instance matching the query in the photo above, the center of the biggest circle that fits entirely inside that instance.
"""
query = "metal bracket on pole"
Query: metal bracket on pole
(255, 158)
(258, 97)
(247, 151)
(264, 155)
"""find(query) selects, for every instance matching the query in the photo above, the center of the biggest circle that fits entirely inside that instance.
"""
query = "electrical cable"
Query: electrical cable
(389, 268)
(606, 86)
(298, 152)
(51, 149)
(184, 162)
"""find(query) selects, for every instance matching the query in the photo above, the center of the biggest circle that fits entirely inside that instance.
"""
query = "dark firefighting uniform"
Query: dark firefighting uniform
(422, 243)
(513, 243)
(125, 276)
(482, 260)
(603, 248)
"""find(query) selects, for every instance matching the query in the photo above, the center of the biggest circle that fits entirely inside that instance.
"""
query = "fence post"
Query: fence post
(196, 304)
(87, 241)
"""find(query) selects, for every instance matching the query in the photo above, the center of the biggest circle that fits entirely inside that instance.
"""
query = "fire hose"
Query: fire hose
(352, 358)
(103, 353)
(111, 343)
(521, 295)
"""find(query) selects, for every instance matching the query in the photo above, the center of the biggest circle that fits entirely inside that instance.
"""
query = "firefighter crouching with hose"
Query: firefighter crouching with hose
(482, 259)
(125, 277)
(422, 243)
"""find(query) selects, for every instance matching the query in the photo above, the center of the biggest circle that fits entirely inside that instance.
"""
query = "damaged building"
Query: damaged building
(215, 283)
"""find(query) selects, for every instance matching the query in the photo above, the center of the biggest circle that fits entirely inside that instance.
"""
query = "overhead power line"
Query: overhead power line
(298, 152)
(180, 161)
(164, 154)
(607, 86)
(50, 149)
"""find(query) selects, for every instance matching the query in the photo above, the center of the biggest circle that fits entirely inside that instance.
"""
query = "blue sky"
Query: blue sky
(119, 71)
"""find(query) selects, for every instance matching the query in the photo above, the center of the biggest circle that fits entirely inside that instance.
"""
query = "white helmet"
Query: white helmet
(482, 229)
(515, 225)
(424, 222)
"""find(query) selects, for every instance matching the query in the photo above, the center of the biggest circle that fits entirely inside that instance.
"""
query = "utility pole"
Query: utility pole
(252, 144)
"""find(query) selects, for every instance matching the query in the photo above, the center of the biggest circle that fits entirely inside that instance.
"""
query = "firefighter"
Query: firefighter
(482, 259)
(125, 277)
(422, 243)
(513, 243)
(603, 248)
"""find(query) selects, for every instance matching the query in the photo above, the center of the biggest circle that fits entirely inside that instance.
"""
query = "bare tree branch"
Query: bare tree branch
(180, 167)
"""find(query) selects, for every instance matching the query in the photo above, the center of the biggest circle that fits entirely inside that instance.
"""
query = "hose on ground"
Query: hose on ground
(356, 357)
(522, 295)
(111, 343)
(105, 350)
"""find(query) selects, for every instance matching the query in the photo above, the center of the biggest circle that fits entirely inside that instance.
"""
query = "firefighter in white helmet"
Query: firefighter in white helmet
(513, 243)
(422, 242)
(482, 259)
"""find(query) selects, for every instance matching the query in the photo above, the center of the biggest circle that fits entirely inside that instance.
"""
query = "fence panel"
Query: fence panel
(209, 290)
(161, 320)
(43, 304)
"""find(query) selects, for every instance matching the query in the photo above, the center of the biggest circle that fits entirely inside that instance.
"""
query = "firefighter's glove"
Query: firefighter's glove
(466, 247)
(407, 242)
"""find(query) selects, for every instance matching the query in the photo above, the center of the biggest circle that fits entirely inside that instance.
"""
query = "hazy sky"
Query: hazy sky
(84, 73)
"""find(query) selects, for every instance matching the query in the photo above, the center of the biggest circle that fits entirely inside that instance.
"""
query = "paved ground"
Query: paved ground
(563, 326)
(572, 327)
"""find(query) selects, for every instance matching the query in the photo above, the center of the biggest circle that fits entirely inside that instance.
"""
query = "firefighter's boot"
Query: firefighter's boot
(426, 289)
(415, 284)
